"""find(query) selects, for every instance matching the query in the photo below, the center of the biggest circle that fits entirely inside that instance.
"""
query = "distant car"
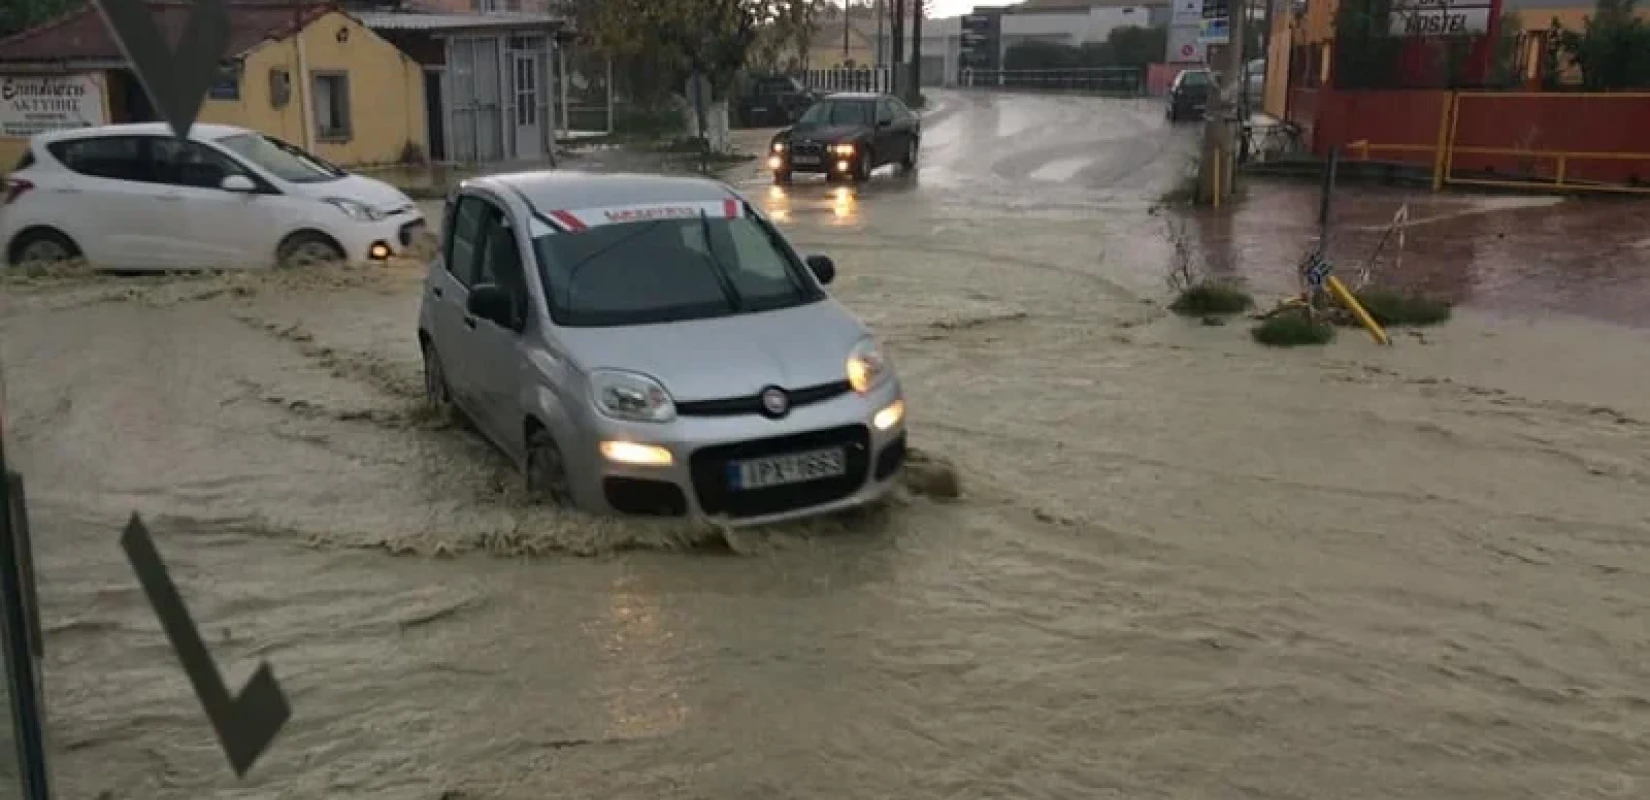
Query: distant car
(846, 136)
(136, 197)
(1189, 94)
(653, 345)
(774, 100)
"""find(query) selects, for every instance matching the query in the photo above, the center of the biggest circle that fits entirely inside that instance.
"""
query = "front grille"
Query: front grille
(644, 497)
(752, 404)
(411, 230)
(808, 149)
(709, 469)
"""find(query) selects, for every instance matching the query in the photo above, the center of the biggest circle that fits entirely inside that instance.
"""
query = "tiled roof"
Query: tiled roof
(83, 35)
(419, 21)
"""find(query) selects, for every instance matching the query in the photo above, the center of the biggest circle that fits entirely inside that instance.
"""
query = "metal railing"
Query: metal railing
(1120, 81)
(855, 79)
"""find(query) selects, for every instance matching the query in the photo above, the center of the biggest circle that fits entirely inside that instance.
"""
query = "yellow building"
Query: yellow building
(308, 74)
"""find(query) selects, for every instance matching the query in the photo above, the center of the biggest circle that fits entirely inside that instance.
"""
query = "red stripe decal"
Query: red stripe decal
(568, 221)
(731, 208)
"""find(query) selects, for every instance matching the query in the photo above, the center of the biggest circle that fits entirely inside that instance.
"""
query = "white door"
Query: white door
(211, 226)
(112, 187)
(529, 124)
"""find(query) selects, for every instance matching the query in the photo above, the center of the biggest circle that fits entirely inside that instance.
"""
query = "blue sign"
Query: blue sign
(1317, 272)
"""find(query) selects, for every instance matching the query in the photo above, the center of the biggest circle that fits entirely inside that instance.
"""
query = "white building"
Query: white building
(1075, 24)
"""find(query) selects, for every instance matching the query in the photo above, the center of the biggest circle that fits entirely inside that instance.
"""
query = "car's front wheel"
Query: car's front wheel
(308, 248)
(909, 162)
(436, 394)
(546, 471)
(863, 166)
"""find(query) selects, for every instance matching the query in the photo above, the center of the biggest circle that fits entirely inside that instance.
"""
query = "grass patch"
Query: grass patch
(1392, 308)
(1211, 299)
(1292, 328)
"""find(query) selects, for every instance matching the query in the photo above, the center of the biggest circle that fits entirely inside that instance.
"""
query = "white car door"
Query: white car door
(109, 185)
(216, 227)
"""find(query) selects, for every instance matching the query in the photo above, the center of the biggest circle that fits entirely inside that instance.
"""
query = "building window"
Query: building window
(332, 108)
(228, 86)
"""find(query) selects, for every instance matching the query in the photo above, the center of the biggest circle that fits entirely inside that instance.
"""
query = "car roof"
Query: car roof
(856, 96)
(198, 131)
(561, 190)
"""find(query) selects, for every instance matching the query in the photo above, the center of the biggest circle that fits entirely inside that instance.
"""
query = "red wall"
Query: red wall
(1543, 123)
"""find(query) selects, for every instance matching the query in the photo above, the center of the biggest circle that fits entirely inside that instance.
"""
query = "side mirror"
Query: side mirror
(884, 123)
(237, 183)
(823, 268)
(493, 304)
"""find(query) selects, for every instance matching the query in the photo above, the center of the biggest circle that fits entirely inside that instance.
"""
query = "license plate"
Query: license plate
(807, 160)
(761, 473)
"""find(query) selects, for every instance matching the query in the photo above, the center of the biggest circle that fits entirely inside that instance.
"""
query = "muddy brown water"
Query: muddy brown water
(1182, 567)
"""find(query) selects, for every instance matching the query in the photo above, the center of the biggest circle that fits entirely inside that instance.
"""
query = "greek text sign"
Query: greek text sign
(31, 104)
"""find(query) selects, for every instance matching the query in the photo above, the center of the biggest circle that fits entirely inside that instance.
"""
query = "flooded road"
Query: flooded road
(1181, 567)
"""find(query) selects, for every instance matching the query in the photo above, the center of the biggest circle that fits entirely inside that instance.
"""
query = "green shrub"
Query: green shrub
(1292, 328)
(1205, 299)
(1392, 308)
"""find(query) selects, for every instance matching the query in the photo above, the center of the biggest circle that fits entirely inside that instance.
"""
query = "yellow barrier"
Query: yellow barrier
(1345, 296)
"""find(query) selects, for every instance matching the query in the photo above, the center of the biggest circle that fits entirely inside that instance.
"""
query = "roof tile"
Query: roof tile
(83, 35)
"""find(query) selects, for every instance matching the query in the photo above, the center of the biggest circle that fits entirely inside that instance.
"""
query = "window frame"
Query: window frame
(496, 217)
(465, 273)
(146, 165)
(347, 132)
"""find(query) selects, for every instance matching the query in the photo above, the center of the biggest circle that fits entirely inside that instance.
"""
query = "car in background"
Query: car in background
(1189, 94)
(643, 344)
(773, 100)
(846, 136)
(135, 197)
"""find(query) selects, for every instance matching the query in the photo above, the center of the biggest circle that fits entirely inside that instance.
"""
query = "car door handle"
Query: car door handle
(470, 322)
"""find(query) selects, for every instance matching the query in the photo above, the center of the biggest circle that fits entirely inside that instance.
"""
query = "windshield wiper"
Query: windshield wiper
(722, 277)
(573, 269)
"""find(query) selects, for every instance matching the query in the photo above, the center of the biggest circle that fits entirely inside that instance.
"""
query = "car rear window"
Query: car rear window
(115, 157)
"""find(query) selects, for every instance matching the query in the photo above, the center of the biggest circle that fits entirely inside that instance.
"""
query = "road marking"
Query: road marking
(246, 724)
(1061, 171)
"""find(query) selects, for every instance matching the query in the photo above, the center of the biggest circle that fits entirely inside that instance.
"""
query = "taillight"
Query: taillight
(14, 188)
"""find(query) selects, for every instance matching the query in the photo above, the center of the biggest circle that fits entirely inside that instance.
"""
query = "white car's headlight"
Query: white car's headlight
(631, 397)
(867, 366)
(356, 209)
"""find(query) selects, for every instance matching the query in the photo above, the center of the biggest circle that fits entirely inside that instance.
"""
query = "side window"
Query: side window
(902, 112)
(119, 158)
(885, 112)
(500, 263)
(184, 163)
(464, 245)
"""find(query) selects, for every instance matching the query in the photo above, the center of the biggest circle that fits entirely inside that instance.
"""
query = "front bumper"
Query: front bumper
(695, 483)
(397, 235)
(821, 162)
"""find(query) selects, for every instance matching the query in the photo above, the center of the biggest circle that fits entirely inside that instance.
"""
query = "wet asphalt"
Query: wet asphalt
(1161, 580)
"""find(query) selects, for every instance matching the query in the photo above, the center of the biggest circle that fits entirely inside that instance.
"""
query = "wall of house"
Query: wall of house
(385, 87)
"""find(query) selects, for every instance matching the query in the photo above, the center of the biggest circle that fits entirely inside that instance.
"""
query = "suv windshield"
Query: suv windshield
(840, 112)
(667, 270)
(1194, 77)
(285, 161)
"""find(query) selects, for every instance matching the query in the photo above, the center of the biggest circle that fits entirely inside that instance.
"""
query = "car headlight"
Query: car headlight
(842, 149)
(779, 147)
(631, 397)
(356, 210)
(867, 366)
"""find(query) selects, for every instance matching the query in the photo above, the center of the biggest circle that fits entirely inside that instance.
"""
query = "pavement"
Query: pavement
(1181, 565)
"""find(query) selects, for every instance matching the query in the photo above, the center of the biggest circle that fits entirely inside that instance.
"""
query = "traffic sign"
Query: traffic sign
(175, 80)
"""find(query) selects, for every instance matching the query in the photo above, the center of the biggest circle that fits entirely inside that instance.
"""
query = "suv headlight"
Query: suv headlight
(842, 149)
(356, 210)
(631, 397)
(867, 367)
(778, 146)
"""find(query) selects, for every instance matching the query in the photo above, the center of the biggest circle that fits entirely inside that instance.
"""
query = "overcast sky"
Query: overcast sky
(951, 8)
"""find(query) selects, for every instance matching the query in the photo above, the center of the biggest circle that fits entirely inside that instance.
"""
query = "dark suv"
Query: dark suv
(773, 100)
(1189, 95)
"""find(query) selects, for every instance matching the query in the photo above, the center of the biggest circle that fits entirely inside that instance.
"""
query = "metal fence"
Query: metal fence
(1122, 81)
(857, 79)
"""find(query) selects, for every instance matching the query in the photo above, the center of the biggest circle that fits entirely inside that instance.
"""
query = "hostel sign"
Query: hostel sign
(1412, 18)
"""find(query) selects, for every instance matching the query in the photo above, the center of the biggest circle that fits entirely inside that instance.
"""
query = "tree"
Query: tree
(20, 15)
(1612, 49)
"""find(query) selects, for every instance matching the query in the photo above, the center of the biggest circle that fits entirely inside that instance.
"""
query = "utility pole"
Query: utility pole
(878, 12)
(1216, 168)
(847, 6)
(915, 90)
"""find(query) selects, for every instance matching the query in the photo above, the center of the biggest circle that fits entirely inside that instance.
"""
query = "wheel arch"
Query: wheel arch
(14, 246)
(280, 249)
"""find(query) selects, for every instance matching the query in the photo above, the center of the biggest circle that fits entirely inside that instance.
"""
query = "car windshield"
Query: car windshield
(667, 270)
(840, 112)
(283, 160)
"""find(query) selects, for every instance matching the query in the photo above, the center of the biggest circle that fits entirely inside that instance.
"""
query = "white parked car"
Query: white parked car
(136, 197)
